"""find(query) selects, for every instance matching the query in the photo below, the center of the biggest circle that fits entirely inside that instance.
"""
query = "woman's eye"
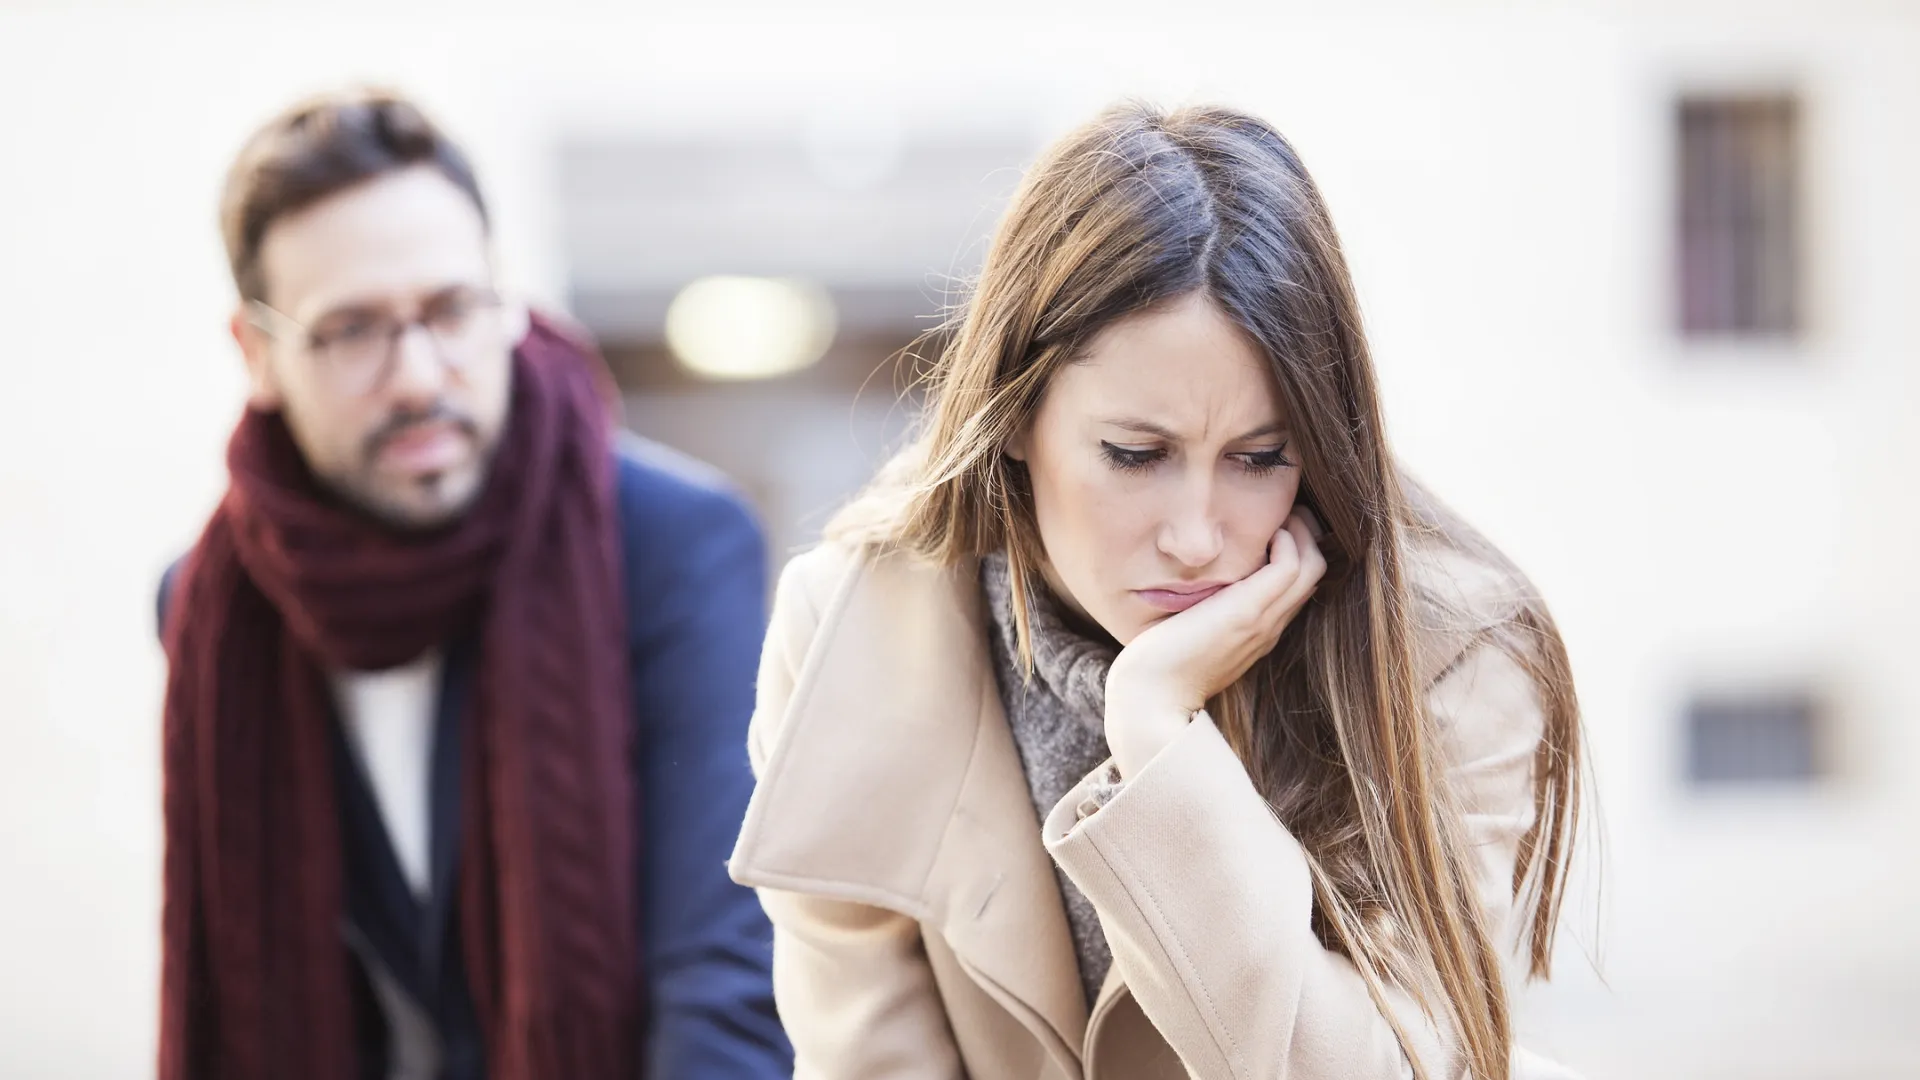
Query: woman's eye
(1128, 460)
(1261, 462)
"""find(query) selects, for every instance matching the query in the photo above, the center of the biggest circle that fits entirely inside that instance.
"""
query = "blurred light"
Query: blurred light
(749, 328)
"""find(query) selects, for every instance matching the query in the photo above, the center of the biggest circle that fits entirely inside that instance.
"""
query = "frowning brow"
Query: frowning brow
(1148, 427)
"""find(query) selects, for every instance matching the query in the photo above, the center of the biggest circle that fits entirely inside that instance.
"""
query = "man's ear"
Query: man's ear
(263, 390)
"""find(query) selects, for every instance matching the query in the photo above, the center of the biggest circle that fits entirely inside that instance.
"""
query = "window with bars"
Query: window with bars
(1739, 246)
(1756, 738)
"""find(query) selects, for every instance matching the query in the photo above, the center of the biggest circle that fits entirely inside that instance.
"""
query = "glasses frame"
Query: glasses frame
(280, 326)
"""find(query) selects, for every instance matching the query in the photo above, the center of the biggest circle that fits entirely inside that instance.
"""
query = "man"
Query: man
(459, 685)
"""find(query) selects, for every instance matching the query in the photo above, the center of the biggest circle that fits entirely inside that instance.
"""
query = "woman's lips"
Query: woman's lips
(1177, 598)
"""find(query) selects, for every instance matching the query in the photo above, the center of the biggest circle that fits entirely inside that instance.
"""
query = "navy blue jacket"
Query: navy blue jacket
(696, 593)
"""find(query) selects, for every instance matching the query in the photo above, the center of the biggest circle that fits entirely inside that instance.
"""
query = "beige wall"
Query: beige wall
(1499, 175)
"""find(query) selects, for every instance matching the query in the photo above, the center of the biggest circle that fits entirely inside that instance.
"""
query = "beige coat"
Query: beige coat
(919, 930)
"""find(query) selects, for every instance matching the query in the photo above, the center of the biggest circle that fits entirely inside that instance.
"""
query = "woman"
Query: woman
(1144, 720)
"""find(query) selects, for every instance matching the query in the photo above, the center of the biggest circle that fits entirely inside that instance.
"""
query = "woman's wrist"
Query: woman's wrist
(1142, 719)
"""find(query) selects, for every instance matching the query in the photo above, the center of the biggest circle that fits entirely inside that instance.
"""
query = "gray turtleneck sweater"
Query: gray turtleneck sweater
(1058, 719)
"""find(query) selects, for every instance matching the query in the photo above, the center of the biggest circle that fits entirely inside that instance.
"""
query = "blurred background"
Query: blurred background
(1641, 279)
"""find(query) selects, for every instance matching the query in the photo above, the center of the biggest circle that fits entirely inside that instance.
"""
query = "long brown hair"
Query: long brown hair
(1135, 210)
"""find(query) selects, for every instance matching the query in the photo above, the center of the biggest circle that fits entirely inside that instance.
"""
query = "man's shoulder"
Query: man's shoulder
(665, 491)
(681, 518)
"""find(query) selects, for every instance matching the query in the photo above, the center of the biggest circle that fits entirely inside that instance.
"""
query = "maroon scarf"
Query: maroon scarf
(286, 584)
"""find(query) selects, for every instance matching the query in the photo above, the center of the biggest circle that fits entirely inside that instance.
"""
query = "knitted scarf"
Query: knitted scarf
(286, 585)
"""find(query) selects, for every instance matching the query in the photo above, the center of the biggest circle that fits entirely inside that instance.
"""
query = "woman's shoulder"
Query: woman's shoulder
(861, 634)
(875, 517)
(873, 581)
(861, 546)
(1462, 595)
(813, 575)
(1479, 585)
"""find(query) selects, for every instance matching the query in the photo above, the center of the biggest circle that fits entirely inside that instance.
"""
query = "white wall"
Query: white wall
(1499, 174)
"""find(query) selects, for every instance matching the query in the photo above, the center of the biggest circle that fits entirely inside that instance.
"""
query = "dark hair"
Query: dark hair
(321, 147)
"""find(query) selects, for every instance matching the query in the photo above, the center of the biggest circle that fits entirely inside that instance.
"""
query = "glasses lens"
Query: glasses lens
(461, 324)
(355, 352)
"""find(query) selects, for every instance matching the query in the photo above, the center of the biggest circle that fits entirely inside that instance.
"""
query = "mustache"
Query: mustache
(406, 420)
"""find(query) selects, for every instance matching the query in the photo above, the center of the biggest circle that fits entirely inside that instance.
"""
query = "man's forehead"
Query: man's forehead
(391, 240)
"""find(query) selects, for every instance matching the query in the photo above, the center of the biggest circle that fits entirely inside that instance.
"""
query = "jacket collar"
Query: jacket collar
(893, 781)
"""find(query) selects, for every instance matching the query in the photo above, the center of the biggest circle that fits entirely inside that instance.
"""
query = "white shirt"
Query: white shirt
(389, 718)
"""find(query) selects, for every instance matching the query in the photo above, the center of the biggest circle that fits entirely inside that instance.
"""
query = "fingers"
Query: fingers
(1272, 581)
(1270, 596)
(1315, 528)
(1214, 643)
(1297, 565)
(1313, 562)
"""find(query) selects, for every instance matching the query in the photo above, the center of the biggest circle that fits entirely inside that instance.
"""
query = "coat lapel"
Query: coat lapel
(893, 780)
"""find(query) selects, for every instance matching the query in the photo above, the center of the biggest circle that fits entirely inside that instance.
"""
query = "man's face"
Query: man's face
(384, 345)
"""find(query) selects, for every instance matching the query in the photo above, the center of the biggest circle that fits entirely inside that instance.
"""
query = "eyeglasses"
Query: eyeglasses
(357, 349)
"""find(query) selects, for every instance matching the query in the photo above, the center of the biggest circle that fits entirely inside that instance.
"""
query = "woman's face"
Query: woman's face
(1160, 466)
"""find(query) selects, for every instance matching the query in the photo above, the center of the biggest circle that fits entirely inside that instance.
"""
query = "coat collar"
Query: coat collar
(894, 781)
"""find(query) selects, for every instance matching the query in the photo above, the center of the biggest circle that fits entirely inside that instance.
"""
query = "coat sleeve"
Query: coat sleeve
(1206, 898)
(852, 980)
(697, 598)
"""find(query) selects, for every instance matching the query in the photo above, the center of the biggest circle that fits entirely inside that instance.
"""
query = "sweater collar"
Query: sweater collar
(1069, 663)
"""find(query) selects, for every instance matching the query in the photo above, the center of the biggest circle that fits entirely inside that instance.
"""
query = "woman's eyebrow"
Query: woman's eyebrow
(1148, 427)
(1144, 427)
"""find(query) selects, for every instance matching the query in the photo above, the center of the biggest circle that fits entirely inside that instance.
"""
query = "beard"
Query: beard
(421, 502)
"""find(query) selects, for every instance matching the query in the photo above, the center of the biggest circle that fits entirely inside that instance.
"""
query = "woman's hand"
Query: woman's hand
(1175, 666)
